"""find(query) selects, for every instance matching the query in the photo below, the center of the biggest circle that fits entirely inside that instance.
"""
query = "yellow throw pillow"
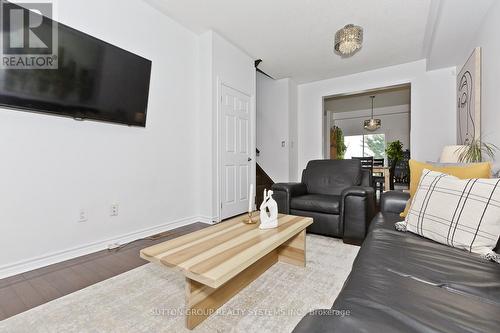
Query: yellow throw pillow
(473, 170)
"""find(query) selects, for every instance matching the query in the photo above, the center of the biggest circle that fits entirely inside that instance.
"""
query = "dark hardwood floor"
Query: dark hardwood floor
(27, 290)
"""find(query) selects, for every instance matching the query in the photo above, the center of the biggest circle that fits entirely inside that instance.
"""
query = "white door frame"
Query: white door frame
(252, 118)
(325, 127)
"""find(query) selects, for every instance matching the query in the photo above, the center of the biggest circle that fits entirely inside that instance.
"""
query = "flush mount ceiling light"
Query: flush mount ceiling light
(372, 124)
(348, 40)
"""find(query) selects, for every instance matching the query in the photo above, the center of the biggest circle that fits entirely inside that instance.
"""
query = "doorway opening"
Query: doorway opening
(348, 132)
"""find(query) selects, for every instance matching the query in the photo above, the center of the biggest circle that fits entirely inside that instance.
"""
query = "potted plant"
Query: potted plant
(394, 152)
(339, 142)
(475, 151)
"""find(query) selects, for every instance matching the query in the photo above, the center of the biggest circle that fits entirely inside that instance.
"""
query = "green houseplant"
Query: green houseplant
(475, 151)
(339, 142)
(394, 152)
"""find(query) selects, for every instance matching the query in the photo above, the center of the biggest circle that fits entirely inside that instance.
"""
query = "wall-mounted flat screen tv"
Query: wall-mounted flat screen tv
(93, 80)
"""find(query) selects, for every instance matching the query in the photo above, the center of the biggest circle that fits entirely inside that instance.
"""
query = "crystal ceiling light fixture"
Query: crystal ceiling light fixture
(348, 40)
(372, 124)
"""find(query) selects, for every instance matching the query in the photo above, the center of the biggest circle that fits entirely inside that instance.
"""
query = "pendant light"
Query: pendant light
(372, 124)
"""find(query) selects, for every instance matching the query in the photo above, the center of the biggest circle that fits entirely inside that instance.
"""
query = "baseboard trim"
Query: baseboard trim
(56, 257)
(208, 219)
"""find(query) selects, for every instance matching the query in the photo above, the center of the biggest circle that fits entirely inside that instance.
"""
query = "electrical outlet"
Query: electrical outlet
(82, 216)
(114, 210)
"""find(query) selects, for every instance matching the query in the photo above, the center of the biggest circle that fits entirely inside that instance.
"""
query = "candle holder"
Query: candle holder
(249, 219)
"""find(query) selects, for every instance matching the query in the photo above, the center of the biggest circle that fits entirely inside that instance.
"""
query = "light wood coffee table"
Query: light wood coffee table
(221, 260)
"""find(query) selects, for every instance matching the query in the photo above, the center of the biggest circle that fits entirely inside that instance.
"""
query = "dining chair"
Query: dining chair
(379, 177)
(366, 162)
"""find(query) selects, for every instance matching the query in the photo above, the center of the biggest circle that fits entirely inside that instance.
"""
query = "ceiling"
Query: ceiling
(294, 38)
(455, 25)
(358, 102)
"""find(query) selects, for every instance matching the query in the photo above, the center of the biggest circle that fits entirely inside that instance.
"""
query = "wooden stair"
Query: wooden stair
(263, 182)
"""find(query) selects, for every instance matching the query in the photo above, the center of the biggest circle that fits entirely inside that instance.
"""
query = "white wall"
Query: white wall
(220, 62)
(273, 117)
(207, 128)
(293, 138)
(432, 100)
(277, 123)
(487, 38)
(433, 114)
(52, 167)
(395, 123)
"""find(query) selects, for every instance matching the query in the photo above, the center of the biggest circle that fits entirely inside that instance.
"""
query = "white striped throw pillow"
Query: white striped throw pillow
(460, 213)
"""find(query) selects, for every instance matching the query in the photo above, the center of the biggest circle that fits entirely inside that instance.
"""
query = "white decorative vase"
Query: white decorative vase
(268, 211)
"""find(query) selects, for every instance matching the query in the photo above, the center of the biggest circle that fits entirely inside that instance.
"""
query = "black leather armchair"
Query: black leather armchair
(337, 194)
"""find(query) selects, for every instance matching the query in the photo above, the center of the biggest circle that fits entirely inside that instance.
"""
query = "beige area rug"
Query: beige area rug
(151, 299)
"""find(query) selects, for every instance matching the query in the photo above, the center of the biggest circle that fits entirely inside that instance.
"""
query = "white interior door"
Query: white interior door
(235, 157)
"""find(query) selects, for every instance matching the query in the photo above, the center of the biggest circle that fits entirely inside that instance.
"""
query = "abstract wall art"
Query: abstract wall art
(469, 100)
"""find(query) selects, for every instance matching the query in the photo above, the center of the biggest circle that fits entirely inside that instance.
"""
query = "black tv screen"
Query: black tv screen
(94, 80)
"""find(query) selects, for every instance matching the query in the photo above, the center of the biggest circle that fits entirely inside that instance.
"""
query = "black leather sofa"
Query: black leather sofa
(337, 194)
(401, 282)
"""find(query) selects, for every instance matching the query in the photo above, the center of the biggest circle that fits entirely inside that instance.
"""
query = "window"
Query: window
(365, 145)
(354, 144)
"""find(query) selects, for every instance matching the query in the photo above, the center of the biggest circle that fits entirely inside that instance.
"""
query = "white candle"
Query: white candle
(251, 199)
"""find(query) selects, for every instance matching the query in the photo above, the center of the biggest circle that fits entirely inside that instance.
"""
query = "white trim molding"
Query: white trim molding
(59, 256)
(208, 219)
